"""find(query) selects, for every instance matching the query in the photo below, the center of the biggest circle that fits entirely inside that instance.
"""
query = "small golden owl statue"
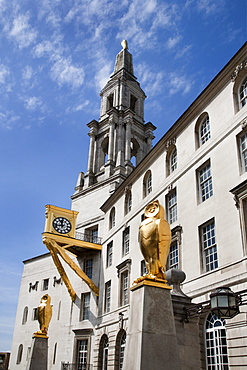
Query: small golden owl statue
(44, 314)
(155, 239)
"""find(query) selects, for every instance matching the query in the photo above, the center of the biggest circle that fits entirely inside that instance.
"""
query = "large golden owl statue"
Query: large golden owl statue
(44, 314)
(155, 239)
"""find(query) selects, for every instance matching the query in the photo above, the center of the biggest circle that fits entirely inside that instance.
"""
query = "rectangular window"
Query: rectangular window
(45, 284)
(107, 296)
(85, 306)
(144, 270)
(91, 235)
(89, 267)
(205, 182)
(126, 241)
(35, 314)
(209, 246)
(109, 254)
(243, 152)
(124, 288)
(82, 349)
(172, 206)
(173, 256)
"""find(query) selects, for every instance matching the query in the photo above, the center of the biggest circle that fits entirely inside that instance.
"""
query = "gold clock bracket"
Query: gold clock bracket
(53, 242)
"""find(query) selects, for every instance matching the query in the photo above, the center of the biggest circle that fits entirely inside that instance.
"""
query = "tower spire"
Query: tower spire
(120, 139)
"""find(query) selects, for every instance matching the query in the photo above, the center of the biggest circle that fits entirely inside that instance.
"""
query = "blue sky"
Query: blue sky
(55, 57)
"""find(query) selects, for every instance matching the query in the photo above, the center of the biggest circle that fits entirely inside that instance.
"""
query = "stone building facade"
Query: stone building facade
(198, 171)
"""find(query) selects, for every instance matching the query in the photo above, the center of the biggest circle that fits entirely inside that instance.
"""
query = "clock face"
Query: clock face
(61, 225)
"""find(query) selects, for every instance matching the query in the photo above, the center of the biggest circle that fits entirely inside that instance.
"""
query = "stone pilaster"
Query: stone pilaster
(151, 338)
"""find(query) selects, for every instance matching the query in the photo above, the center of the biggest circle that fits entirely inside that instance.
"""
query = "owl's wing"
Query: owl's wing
(48, 314)
(164, 241)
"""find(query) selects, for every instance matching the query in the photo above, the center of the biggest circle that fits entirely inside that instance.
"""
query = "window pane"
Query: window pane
(124, 288)
(173, 255)
(172, 207)
(205, 131)
(85, 306)
(82, 347)
(209, 247)
(109, 254)
(216, 344)
(126, 241)
(107, 296)
(243, 93)
(122, 348)
(173, 160)
(89, 267)
(243, 150)
(205, 182)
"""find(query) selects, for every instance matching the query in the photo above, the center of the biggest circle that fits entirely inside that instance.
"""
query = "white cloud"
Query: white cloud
(27, 73)
(63, 72)
(32, 103)
(8, 119)
(20, 30)
(173, 41)
(210, 6)
(4, 73)
(179, 83)
(151, 81)
(43, 48)
(102, 76)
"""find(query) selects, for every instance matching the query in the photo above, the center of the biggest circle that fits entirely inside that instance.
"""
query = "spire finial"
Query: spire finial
(124, 44)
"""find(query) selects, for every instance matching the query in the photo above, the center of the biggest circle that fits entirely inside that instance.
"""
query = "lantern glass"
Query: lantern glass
(223, 301)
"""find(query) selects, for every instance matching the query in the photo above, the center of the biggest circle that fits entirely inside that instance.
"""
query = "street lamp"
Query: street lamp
(224, 303)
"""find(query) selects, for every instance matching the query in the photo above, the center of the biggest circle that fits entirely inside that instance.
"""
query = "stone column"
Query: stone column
(128, 141)
(39, 354)
(120, 154)
(111, 139)
(92, 134)
(151, 338)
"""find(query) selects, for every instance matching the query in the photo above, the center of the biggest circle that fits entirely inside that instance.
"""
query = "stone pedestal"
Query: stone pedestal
(151, 339)
(39, 354)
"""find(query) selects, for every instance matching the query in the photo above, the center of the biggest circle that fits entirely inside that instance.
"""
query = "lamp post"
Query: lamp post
(224, 303)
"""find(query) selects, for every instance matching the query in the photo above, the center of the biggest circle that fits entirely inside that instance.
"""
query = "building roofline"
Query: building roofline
(41, 256)
(180, 123)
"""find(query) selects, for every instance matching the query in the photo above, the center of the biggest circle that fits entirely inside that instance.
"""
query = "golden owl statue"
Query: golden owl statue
(44, 314)
(155, 239)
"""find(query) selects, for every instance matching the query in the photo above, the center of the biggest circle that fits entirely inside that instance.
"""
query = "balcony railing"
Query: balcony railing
(75, 366)
(88, 238)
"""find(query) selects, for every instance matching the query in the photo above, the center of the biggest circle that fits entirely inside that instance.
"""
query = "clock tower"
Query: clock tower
(121, 138)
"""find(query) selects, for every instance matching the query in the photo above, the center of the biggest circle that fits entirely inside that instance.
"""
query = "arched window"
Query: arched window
(134, 150)
(147, 183)
(243, 93)
(239, 89)
(128, 202)
(24, 317)
(216, 344)
(112, 219)
(103, 353)
(54, 354)
(19, 354)
(202, 130)
(173, 160)
(120, 347)
(59, 310)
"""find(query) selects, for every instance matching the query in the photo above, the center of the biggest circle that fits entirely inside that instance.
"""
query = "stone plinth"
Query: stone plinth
(151, 338)
(39, 354)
